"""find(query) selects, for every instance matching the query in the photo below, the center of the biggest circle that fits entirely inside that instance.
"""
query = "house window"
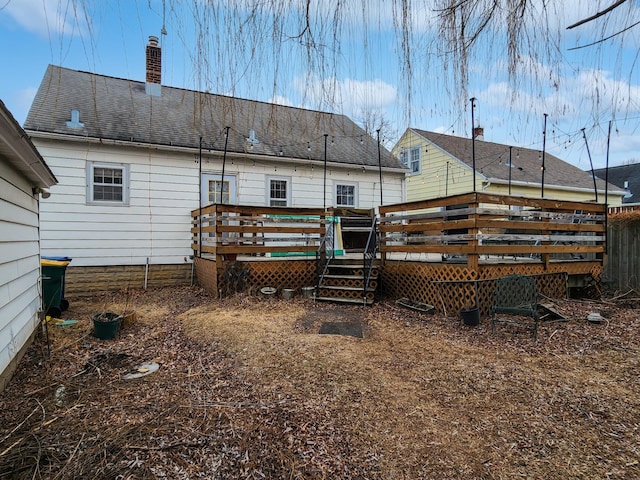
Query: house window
(279, 192)
(346, 195)
(219, 193)
(414, 160)
(411, 158)
(108, 183)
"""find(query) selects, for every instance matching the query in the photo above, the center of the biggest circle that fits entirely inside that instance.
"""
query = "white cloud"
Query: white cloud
(280, 100)
(349, 96)
(44, 17)
(23, 100)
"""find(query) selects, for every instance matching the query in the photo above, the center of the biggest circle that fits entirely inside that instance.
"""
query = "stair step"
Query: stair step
(349, 277)
(348, 265)
(355, 301)
(346, 289)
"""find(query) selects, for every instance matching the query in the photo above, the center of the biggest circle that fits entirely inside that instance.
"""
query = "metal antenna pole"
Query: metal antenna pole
(544, 146)
(324, 187)
(200, 200)
(473, 143)
(510, 167)
(224, 162)
(379, 165)
(593, 175)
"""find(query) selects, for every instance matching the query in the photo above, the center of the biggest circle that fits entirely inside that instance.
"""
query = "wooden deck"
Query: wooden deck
(445, 252)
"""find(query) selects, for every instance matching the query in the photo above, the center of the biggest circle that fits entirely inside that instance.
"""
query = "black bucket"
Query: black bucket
(471, 316)
(106, 325)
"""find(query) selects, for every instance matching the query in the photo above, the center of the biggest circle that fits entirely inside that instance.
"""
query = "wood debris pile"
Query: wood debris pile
(248, 389)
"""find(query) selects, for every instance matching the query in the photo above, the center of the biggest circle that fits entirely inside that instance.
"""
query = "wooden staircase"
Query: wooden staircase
(344, 282)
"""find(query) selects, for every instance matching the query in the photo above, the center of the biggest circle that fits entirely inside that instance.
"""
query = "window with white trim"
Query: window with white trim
(346, 195)
(219, 193)
(108, 183)
(411, 158)
(279, 192)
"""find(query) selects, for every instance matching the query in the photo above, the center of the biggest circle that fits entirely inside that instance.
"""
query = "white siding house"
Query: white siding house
(23, 174)
(133, 159)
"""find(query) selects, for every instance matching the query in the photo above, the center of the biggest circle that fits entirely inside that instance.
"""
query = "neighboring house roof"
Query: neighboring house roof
(492, 162)
(17, 150)
(117, 109)
(621, 174)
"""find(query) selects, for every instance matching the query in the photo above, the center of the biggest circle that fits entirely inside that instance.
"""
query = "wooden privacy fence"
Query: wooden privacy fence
(227, 230)
(622, 269)
(479, 224)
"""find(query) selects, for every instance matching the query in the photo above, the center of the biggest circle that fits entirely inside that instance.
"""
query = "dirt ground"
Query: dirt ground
(248, 388)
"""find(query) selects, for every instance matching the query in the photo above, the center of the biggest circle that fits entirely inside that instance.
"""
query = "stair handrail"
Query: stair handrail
(325, 253)
(370, 252)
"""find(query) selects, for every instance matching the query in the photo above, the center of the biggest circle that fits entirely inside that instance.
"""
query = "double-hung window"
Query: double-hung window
(279, 192)
(108, 183)
(346, 195)
(411, 158)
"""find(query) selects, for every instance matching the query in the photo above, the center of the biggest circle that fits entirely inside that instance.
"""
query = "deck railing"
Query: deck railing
(250, 230)
(624, 208)
(479, 224)
(324, 254)
(369, 255)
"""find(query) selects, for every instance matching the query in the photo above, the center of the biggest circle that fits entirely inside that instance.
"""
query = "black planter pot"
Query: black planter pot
(471, 316)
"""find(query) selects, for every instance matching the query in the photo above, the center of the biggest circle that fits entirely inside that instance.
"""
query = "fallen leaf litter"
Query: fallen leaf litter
(247, 388)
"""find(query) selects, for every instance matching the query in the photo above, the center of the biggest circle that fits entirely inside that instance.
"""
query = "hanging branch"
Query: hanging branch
(597, 15)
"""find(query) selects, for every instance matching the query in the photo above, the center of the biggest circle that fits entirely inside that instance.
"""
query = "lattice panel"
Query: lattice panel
(495, 271)
(455, 296)
(293, 274)
(596, 273)
(410, 280)
(451, 288)
(553, 285)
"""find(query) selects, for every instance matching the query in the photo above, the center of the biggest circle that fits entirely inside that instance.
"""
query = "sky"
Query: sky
(360, 66)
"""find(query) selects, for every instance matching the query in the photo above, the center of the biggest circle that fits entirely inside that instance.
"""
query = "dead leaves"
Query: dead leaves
(247, 389)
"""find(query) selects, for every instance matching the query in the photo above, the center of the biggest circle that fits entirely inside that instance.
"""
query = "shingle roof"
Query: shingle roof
(17, 151)
(624, 173)
(492, 161)
(119, 109)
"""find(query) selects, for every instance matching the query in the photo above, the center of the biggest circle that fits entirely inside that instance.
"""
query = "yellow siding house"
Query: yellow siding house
(441, 165)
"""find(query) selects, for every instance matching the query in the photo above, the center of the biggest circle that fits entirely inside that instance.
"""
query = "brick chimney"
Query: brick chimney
(478, 133)
(154, 67)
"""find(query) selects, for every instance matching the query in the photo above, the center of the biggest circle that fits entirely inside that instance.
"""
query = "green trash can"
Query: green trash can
(53, 272)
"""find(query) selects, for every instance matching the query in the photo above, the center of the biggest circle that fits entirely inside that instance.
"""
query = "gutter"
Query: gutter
(22, 153)
(499, 181)
(216, 153)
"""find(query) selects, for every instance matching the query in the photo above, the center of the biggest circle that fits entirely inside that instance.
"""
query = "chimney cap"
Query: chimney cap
(153, 40)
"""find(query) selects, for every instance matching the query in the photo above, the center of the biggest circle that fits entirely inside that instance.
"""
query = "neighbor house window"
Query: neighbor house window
(414, 160)
(346, 195)
(279, 194)
(108, 183)
(411, 158)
